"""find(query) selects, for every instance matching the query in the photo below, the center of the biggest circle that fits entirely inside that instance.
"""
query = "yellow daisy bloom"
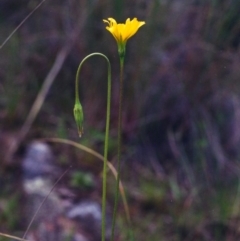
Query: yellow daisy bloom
(122, 32)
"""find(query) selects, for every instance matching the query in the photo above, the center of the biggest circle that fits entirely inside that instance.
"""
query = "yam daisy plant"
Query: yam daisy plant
(121, 32)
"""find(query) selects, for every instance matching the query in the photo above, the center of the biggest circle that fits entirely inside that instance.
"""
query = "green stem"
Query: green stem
(104, 192)
(119, 146)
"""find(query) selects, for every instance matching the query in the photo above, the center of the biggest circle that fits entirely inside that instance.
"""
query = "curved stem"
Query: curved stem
(104, 192)
(119, 147)
(100, 157)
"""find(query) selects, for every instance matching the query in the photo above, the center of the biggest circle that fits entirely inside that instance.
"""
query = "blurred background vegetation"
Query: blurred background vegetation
(181, 120)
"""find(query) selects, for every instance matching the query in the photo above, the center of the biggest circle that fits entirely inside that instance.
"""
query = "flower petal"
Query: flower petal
(122, 32)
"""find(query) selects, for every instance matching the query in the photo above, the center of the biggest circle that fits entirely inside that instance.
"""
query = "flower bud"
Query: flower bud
(78, 115)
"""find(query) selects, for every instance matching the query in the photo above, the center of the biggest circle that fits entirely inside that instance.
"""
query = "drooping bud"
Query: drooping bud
(78, 115)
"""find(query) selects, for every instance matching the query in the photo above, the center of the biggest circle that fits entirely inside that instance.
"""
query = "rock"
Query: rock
(61, 217)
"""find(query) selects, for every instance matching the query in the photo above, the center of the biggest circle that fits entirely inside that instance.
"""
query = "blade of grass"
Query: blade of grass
(43, 201)
(36, 213)
(12, 237)
(23, 21)
(101, 157)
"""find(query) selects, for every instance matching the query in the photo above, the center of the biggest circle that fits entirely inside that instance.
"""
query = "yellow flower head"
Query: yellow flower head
(122, 32)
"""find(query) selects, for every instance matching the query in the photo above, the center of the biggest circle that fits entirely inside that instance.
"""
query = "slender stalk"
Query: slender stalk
(119, 146)
(105, 154)
(104, 192)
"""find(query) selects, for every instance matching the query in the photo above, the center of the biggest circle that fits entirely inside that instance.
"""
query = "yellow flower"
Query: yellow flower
(122, 32)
